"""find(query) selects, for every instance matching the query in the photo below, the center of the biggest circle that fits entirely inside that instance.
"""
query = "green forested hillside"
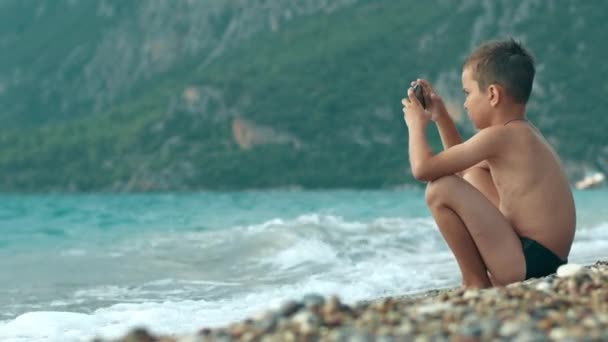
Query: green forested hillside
(310, 99)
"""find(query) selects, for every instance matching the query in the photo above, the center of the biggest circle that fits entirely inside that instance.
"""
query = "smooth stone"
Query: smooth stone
(589, 322)
(422, 338)
(543, 286)
(384, 331)
(470, 331)
(263, 314)
(509, 328)
(385, 339)
(602, 317)
(405, 328)
(393, 317)
(433, 308)
(307, 322)
(332, 304)
(488, 326)
(205, 332)
(381, 304)
(138, 335)
(282, 323)
(470, 294)
(192, 338)
(558, 333)
(289, 308)
(568, 270)
(248, 336)
(266, 324)
(333, 319)
(222, 338)
(360, 337)
(237, 329)
(313, 300)
(342, 334)
(529, 336)
(571, 314)
(304, 316)
(370, 317)
(288, 336)
(490, 293)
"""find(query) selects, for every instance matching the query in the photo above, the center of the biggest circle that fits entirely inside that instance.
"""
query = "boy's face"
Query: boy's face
(476, 103)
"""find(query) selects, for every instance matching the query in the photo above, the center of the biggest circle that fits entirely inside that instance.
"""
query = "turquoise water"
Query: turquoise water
(79, 266)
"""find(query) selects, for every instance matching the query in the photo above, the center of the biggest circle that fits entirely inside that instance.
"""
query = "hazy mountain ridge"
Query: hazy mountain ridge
(310, 100)
(115, 46)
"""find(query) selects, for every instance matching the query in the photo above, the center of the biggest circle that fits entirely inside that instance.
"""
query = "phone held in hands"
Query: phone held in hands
(418, 93)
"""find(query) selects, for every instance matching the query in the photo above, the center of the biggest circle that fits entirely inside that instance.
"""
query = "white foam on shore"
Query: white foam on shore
(49, 326)
(590, 244)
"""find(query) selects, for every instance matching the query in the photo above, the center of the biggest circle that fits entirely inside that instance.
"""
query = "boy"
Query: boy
(500, 199)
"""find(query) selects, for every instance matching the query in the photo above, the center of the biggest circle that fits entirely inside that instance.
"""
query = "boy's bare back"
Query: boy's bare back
(534, 193)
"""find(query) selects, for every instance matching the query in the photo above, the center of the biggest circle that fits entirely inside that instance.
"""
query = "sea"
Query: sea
(76, 267)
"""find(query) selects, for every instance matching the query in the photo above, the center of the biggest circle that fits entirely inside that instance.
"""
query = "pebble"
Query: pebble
(289, 307)
(306, 321)
(543, 286)
(332, 305)
(568, 270)
(191, 338)
(405, 328)
(470, 294)
(558, 333)
(433, 308)
(266, 324)
(360, 337)
(313, 300)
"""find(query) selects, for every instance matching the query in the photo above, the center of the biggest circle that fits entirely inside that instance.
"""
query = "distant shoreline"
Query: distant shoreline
(570, 305)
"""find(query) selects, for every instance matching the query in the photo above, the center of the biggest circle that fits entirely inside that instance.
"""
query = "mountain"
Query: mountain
(188, 95)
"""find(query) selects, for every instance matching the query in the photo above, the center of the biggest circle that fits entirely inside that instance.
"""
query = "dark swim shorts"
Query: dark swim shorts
(540, 261)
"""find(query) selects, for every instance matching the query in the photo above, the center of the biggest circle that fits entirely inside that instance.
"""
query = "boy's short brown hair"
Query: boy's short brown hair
(504, 62)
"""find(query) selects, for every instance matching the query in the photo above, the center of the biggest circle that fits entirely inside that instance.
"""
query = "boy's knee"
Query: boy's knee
(437, 190)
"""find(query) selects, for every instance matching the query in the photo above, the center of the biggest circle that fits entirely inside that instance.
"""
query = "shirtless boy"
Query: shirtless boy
(500, 199)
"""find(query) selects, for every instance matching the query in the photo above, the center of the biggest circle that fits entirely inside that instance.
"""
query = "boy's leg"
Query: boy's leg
(470, 262)
(481, 179)
(476, 231)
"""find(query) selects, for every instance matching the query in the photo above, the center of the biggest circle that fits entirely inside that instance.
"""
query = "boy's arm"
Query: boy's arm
(450, 137)
(447, 131)
(427, 167)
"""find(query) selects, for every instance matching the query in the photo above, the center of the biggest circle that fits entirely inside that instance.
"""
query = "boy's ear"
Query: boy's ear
(494, 94)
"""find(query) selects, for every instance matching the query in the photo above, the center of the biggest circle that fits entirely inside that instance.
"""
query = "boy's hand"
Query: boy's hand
(413, 113)
(434, 104)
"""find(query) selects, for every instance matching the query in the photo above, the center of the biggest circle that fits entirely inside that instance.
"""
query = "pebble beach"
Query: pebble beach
(571, 305)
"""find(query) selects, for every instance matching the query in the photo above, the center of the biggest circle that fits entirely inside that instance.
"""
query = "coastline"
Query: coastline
(567, 306)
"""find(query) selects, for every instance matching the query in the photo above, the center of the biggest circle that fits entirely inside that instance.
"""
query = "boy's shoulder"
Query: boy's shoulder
(498, 134)
(517, 127)
(506, 138)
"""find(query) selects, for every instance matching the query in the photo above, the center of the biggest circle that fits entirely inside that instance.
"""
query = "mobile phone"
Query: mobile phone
(418, 93)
